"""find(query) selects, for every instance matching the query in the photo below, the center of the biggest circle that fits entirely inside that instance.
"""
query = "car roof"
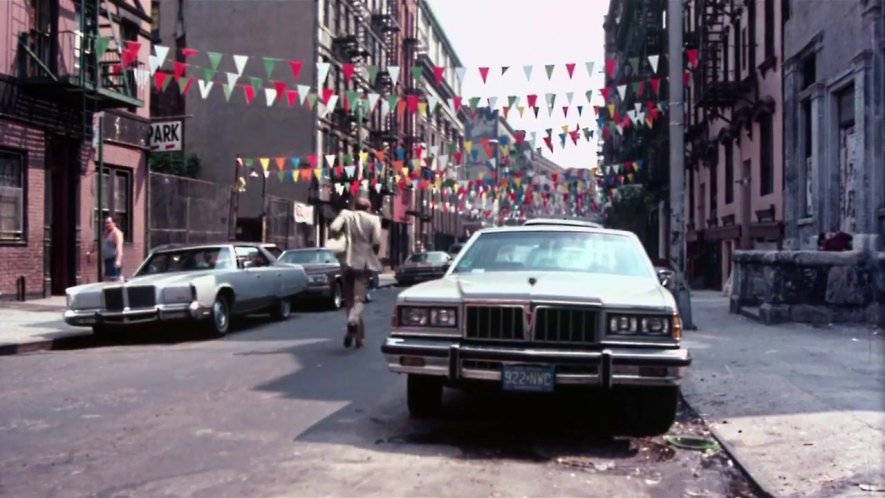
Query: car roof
(562, 222)
(173, 247)
(557, 228)
(307, 249)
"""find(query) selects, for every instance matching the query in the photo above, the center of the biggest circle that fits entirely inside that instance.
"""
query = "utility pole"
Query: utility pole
(677, 161)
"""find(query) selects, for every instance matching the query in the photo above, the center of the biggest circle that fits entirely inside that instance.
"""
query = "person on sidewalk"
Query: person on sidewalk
(359, 261)
(112, 251)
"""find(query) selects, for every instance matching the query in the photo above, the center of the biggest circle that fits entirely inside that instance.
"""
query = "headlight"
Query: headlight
(69, 301)
(178, 294)
(411, 316)
(632, 325)
(319, 279)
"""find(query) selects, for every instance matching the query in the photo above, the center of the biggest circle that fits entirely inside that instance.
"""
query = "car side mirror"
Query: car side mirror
(247, 264)
(665, 276)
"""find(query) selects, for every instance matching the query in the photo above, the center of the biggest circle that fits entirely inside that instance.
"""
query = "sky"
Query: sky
(516, 33)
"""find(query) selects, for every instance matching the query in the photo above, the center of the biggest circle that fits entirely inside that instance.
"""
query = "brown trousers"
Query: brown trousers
(356, 286)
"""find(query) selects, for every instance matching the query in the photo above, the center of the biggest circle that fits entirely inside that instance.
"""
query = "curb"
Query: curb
(762, 485)
(40, 344)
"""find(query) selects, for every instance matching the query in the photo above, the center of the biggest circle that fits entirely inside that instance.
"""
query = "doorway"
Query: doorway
(62, 207)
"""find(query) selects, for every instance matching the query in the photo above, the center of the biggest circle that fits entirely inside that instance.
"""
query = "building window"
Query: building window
(807, 156)
(809, 71)
(738, 65)
(729, 173)
(766, 167)
(12, 196)
(117, 199)
(769, 28)
(155, 21)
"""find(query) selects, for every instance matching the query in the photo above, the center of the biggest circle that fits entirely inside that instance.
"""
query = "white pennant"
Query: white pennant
(364, 184)
(493, 103)
(240, 61)
(443, 161)
(373, 100)
(155, 63)
(330, 160)
(533, 139)
(590, 68)
(141, 76)
(528, 72)
(323, 72)
(433, 150)
(451, 103)
(385, 107)
(394, 73)
(339, 188)
(350, 171)
(569, 96)
(232, 80)
(333, 100)
(653, 60)
(205, 88)
(493, 162)
(162, 52)
(460, 72)
(432, 102)
(266, 174)
(378, 188)
(637, 106)
(303, 90)
(622, 91)
(271, 95)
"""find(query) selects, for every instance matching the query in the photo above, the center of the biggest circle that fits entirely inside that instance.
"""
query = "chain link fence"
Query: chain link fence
(187, 211)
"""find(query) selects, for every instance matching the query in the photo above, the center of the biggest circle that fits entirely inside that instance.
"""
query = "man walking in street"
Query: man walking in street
(112, 251)
(362, 232)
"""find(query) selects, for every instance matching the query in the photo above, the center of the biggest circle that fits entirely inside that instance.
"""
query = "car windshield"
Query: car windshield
(205, 258)
(304, 257)
(564, 251)
(428, 257)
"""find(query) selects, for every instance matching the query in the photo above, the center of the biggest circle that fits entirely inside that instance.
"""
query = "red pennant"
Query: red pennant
(533, 100)
(549, 142)
(487, 147)
(438, 72)
(506, 111)
(187, 86)
(291, 97)
(419, 151)
(611, 65)
(457, 100)
(296, 65)
(692, 56)
(159, 79)
(312, 160)
(250, 93)
(188, 52)
(554, 177)
(565, 110)
(348, 71)
(458, 155)
(281, 163)
(180, 67)
(570, 67)
(655, 85)
(484, 72)
(327, 94)
(641, 87)
(412, 101)
(605, 94)
(280, 87)
(519, 136)
(575, 136)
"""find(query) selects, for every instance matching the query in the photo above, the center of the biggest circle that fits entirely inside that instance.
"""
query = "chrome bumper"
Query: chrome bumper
(159, 313)
(604, 368)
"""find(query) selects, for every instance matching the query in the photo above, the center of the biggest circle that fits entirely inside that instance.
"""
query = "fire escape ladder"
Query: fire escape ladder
(712, 53)
(110, 64)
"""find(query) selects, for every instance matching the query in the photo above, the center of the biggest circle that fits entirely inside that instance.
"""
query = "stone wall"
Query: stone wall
(810, 286)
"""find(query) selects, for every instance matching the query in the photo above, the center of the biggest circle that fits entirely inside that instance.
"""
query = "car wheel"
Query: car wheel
(282, 310)
(337, 300)
(649, 411)
(424, 395)
(219, 318)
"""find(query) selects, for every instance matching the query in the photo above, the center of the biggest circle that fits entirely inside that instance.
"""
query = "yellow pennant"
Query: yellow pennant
(517, 181)
(265, 163)
(364, 156)
(295, 174)
(422, 108)
(318, 172)
(611, 110)
(468, 146)
(565, 128)
(522, 111)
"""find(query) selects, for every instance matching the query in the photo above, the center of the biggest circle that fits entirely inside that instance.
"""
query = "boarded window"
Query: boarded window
(12, 196)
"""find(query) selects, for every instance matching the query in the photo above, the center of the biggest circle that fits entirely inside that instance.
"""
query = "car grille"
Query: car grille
(113, 299)
(141, 297)
(572, 325)
(495, 323)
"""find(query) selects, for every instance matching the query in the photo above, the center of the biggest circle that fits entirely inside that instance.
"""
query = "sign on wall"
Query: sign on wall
(303, 213)
(166, 136)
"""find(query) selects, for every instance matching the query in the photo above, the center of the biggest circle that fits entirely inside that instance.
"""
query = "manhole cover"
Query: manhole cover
(696, 443)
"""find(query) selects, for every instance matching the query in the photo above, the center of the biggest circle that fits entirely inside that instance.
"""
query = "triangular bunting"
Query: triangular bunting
(240, 62)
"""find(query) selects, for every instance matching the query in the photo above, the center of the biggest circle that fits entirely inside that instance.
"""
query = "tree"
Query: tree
(176, 163)
(629, 210)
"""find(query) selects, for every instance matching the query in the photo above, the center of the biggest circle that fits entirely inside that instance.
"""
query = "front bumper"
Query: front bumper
(419, 277)
(316, 292)
(608, 367)
(159, 313)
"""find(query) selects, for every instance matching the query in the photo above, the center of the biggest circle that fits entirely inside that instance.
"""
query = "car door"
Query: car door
(332, 265)
(250, 294)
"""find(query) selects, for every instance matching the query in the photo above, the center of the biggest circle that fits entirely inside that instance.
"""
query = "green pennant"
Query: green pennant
(280, 175)
(256, 83)
(634, 63)
(248, 162)
(269, 63)
(452, 149)
(511, 100)
(227, 91)
(166, 83)
(636, 89)
(101, 45)
(392, 101)
(474, 101)
(352, 96)
(312, 97)
(417, 72)
(208, 74)
(348, 159)
(214, 60)
(373, 73)
(182, 83)
(549, 68)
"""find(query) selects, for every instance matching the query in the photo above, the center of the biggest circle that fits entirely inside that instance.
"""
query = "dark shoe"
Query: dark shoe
(351, 333)
(348, 339)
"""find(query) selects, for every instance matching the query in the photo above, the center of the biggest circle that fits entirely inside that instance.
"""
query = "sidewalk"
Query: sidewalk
(802, 409)
(34, 325)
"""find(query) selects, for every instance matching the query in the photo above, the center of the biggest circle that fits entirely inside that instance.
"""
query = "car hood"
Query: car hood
(164, 279)
(319, 267)
(605, 289)
(413, 266)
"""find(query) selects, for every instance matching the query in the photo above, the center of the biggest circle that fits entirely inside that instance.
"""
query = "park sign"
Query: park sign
(166, 136)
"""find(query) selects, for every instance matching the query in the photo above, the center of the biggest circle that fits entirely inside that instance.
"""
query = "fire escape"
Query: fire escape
(385, 23)
(350, 48)
(717, 87)
(63, 65)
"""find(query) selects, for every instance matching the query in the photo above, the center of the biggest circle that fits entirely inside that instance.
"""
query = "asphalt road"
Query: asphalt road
(284, 409)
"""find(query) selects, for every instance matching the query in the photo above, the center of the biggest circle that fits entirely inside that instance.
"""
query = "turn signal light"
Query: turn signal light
(411, 361)
(677, 326)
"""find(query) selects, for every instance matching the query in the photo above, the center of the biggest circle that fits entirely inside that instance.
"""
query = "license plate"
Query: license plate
(532, 378)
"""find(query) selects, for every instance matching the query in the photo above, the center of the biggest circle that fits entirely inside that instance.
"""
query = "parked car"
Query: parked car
(454, 249)
(422, 266)
(537, 308)
(569, 222)
(208, 284)
(273, 249)
(323, 275)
